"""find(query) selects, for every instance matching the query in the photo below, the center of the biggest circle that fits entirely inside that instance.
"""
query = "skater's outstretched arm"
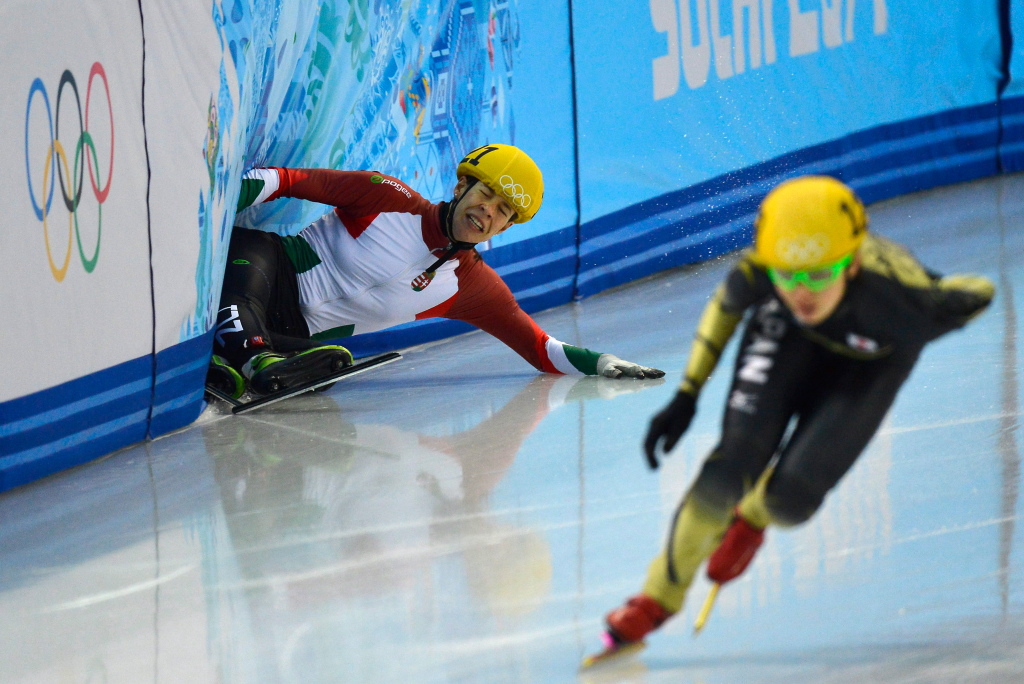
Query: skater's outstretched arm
(486, 302)
(932, 304)
(744, 285)
(355, 193)
(961, 297)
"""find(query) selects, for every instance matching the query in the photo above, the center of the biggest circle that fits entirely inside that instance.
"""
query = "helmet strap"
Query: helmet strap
(447, 216)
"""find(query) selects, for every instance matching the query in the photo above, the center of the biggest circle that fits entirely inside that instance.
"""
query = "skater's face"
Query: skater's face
(481, 214)
(813, 305)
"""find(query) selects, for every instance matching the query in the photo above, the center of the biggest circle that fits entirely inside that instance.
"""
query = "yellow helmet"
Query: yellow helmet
(510, 173)
(808, 222)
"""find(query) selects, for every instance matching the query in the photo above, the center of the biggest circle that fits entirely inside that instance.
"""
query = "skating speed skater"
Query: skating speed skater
(836, 318)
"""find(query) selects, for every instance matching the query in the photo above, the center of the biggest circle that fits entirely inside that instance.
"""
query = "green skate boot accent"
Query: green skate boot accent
(260, 362)
(222, 377)
(283, 373)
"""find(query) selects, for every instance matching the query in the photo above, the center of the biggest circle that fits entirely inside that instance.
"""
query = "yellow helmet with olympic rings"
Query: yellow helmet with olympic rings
(808, 222)
(510, 173)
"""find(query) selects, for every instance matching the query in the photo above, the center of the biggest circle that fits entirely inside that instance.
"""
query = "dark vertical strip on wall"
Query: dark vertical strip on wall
(575, 151)
(148, 229)
(1006, 41)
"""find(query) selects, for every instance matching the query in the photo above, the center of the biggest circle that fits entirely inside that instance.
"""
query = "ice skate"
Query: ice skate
(298, 384)
(271, 372)
(730, 559)
(627, 627)
(735, 552)
(225, 379)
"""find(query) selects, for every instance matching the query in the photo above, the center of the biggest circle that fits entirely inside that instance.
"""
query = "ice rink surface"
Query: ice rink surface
(458, 517)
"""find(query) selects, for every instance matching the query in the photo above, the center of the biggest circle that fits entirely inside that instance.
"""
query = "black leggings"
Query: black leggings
(838, 403)
(259, 304)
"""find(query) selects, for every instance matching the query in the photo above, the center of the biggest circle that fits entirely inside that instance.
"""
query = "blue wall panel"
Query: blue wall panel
(180, 376)
(714, 217)
(75, 422)
(682, 131)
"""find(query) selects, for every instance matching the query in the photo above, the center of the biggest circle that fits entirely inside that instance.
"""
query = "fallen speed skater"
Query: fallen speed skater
(383, 256)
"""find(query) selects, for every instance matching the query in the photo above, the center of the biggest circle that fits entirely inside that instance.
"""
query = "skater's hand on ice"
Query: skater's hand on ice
(611, 366)
(669, 425)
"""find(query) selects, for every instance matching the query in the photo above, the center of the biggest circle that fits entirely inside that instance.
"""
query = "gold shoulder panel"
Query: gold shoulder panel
(893, 261)
(715, 328)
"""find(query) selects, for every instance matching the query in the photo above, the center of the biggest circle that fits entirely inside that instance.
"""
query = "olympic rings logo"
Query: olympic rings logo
(71, 179)
(514, 191)
(804, 250)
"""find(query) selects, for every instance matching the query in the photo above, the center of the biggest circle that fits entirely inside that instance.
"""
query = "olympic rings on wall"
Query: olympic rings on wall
(71, 179)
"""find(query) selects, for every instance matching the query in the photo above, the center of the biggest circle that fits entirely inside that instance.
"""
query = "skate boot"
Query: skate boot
(627, 627)
(735, 552)
(635, 620)
(270, 372)
(222, 377)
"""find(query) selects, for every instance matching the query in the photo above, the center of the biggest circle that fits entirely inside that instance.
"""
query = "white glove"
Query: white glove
(611, 366)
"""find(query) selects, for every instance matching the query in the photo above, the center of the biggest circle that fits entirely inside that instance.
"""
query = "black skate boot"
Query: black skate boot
(271, 372)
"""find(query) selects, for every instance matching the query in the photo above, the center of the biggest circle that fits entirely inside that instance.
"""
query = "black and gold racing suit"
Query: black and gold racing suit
(837, 379)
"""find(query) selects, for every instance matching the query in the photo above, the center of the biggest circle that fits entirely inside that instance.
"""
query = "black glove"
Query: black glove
(670, 423)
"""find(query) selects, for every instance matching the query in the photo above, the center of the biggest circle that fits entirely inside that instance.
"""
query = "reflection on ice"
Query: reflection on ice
(326, 512)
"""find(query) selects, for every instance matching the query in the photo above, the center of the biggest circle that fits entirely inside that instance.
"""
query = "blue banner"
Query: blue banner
(725, 99)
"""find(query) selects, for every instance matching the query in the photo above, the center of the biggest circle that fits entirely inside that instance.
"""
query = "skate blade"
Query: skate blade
(612, 654)
(705, 610)
(266, 400)
(214, 392)
(361, 367)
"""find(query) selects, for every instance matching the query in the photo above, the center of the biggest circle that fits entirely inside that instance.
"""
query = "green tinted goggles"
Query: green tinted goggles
(815, 279)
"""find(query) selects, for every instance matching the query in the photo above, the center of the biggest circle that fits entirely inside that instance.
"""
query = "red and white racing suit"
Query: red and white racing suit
(362, 267)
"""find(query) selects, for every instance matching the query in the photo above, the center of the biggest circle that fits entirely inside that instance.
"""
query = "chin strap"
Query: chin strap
(447, 214)
(449, 252)
(424, 279)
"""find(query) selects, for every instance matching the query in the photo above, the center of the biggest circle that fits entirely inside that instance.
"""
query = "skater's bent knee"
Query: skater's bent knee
(719, 487)
(791, 500)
